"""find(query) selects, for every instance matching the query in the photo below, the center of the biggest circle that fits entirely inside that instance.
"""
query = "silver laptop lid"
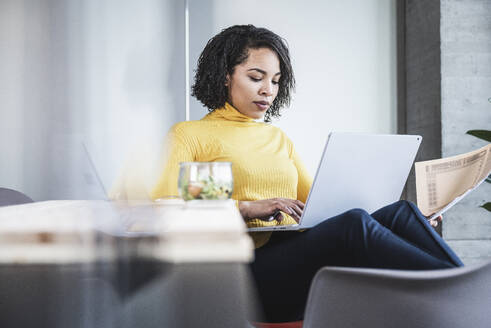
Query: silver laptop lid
(358, 170)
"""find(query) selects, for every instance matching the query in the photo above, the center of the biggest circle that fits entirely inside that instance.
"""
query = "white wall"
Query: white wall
(344, 58)
(11, 109)
(105, 74)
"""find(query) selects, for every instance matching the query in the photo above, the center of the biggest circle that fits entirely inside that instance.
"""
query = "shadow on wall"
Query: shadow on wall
(142, 162)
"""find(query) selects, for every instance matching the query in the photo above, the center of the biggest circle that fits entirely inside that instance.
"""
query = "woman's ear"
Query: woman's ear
(227, 80)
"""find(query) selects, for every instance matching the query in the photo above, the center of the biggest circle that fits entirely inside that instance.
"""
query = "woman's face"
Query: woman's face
(253, 86)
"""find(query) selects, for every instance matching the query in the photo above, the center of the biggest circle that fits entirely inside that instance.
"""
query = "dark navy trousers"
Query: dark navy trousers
(397, 236)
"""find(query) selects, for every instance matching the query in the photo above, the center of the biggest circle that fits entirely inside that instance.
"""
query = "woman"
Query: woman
(245, 74)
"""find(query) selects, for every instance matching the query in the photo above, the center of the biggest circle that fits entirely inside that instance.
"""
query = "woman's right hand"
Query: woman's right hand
(266, 208)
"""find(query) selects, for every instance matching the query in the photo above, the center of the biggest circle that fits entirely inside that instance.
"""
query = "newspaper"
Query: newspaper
(441, 183)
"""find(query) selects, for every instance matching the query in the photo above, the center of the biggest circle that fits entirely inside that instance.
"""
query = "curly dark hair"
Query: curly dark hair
(230, 48)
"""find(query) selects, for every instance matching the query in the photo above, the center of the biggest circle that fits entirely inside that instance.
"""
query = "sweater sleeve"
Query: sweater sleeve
(177, 150)
(304, 178)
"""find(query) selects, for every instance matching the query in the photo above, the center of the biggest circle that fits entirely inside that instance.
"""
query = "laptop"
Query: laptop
(356, 170)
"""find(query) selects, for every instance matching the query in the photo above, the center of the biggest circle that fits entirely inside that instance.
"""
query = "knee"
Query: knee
(404, 205)
(357, 222)
(357, 215)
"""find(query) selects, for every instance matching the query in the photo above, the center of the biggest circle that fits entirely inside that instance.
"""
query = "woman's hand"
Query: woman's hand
(435, 221)
(266, 208)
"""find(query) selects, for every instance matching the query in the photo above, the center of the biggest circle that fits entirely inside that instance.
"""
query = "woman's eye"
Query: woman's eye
(257, 79)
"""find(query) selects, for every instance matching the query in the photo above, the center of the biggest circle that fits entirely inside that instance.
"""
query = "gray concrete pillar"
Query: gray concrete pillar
(444, 87)
(465, 31)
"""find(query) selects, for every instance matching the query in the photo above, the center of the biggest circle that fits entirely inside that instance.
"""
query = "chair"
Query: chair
(350, 297)
(12, 197)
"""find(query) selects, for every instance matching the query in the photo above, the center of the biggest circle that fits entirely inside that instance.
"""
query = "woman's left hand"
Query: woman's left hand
(435, 221)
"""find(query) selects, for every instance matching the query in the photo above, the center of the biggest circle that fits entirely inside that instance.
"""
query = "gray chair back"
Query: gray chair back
(12, 197)
(350, 297)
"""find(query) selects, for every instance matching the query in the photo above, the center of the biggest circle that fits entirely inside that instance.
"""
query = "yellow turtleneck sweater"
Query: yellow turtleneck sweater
(265, 164)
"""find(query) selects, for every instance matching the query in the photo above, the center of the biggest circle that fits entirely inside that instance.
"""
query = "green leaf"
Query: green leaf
(487, 206)
(481, 134)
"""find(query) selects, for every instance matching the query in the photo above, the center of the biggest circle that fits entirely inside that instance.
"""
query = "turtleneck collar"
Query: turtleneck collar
(229, 113)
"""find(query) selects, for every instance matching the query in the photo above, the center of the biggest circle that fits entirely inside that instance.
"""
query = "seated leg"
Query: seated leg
(285, 266)
(404, 219)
